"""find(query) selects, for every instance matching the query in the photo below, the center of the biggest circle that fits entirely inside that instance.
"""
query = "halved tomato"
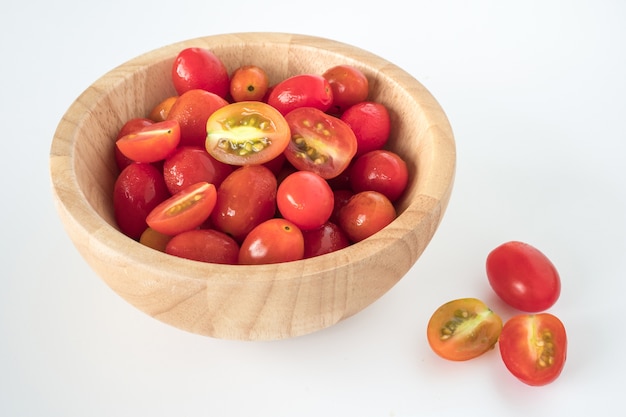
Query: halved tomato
(185, 210)
(151, 143)
(463, 329)
(534, 347)
(246, 133)
(319, 142)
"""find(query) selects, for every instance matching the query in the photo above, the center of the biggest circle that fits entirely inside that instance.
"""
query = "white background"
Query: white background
(535, 93)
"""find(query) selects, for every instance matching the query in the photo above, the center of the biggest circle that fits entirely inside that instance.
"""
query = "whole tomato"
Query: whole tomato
(272, 241)
(523, 276)
(200, 68)
(188, 165)
(205, 245)
(302, 90)
(350, 86)
(325, 239)
(305, 199)
(246, 198)
(137, 190)
(371, 123)
(366, 213)
(380, 170)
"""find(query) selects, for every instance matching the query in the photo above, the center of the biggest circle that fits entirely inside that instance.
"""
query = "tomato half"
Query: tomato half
(246, 133)
(534, 347)
(273, 241)
(151, 143)
(319, 142)
(463, 329)
(185, 210)
(523, 277)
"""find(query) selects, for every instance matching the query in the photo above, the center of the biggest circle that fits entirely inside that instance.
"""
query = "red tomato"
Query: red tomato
(341, 197)
(371, 124)
(245, 198)
(273, 241)
(320, 143)
(192, 110)
(183, 211)
(325, 239)
(151, 143)
(463, 329)
(534, 347)
(249, 83)
(246, 133)
(188, 165)
(302, 90)
(523, 277)
(200, 68)
(138, 189)
(131, 126)
(204, 245)
(349, 85)
(380, 170)
(305, 199)
(366, 213)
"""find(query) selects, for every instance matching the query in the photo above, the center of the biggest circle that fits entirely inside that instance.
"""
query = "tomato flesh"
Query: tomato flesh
(246, 132)
(185, 210)
(463, 329)
(534, 347)
(319, 142)
(523, 277)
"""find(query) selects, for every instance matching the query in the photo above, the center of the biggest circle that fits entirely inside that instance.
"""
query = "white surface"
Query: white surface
(535, 93)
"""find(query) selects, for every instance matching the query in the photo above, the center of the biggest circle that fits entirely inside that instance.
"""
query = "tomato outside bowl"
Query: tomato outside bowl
(243, 302)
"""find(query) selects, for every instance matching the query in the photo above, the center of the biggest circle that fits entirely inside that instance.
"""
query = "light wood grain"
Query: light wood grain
(249, 302)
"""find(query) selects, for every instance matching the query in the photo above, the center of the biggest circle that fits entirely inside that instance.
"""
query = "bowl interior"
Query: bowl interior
(212, 299)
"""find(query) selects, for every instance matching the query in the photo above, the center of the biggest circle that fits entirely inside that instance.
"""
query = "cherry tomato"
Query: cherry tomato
(463, 329)
(246, 133)
(205, 245)
(161, 110)
(302, 90)
(183, 211)
(349, 85)
(188, 165)
(137, 190)
(366, 213)
(192, 110)
(320, 143)
(152, 143)
(341, 197)
(380, 170)
(249, 83)
(523, 277)
(131, 126)
(325, 239)
(305, 199)
(153, 239)
(200, 68)
(245, 198)
(534, 347)
(371, 124)
(273, 241)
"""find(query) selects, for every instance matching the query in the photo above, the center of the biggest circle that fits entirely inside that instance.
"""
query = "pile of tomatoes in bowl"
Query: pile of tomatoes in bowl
(233, 170)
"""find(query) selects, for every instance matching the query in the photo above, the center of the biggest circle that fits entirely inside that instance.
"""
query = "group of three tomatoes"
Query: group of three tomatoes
(233, 170)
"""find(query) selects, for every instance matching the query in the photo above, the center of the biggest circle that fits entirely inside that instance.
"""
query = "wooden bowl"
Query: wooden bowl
(249, 302)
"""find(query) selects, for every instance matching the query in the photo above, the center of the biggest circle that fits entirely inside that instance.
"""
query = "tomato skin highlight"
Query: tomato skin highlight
(185, 210)
(533, 347)
(151, 143)
(325, 239)
(523, 277)
(273, 241)
(380, 170)
(302, 90)
(463, 329)
(364, 214)
(246, 133)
